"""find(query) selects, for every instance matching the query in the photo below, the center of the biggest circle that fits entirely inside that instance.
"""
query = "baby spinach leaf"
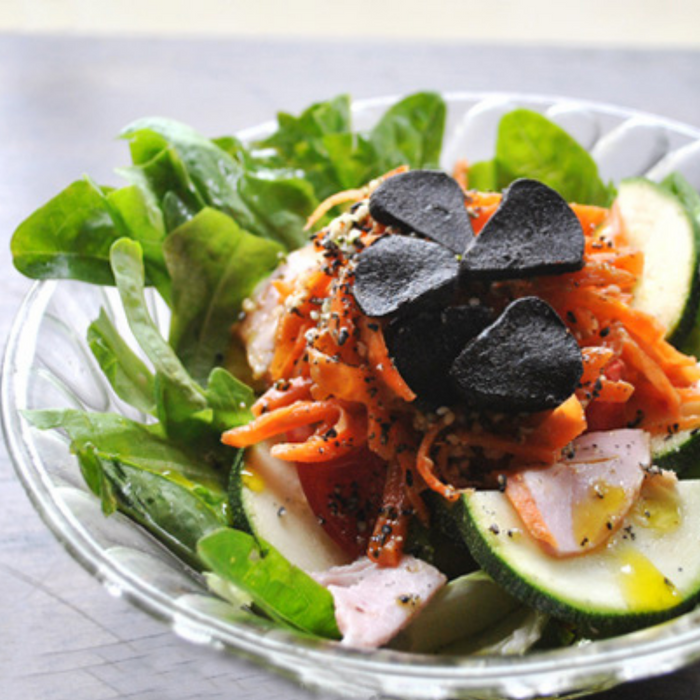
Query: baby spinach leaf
(138, 216)
(229, 398)
(203, 174)
(303, 142)
(68, 238)
(131, 380)
(321, 141)
(410, 133)
(281, 590)
(530, 145)
(483, 176)
(145, 445)
(127, 265)
(214, 266)
(177, 512)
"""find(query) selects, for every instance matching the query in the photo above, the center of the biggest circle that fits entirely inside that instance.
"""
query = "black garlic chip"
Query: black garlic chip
(526, 361)
(533, 232)
(398, 271)
(423, 347)
(427, 202)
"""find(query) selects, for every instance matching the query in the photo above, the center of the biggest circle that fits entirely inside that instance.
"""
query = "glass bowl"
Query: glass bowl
(48, 365)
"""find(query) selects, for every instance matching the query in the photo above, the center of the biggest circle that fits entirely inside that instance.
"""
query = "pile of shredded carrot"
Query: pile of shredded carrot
(332, 376)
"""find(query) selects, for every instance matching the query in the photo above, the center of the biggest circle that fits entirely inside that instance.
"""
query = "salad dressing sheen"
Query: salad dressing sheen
(658, 508)
(596, 513)
(643, 586)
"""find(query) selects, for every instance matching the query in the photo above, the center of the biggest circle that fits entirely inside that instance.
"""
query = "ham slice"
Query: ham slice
(263, 310)
(373, 603)
(578, 503)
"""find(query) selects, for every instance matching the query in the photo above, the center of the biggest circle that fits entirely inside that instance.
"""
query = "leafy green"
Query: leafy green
(127, 265)
(71, 235)
(138, 216)
(410, 133)
(230, 400)
(306, 142)
(145, 445)
(131, 380)
(177, 512)
(136, 468)
(173, 157)
(529, 145)
(321, 141)
(281, 590)
(68, 238)
(214, 266)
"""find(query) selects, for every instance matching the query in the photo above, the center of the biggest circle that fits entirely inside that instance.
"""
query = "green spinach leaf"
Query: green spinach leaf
(138, 216)
(127, 265)
(131, 380)
(229, 399)
(410, 133)
(214, 266)
(530, 145)
(202, 174)
(118, 437)
(281, 590)
(176, 511)
(68, 238)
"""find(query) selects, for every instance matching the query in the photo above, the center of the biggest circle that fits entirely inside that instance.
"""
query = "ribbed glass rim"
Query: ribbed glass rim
(600, 664)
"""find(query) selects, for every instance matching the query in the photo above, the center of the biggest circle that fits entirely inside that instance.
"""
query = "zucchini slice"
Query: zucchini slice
(648, 571)
(679, 452)
(267, 501)
(658, 224)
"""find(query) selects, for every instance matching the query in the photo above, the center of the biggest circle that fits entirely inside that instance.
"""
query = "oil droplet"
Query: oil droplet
(595, 515)
(643, 586)
(253, 481)
(659, 506)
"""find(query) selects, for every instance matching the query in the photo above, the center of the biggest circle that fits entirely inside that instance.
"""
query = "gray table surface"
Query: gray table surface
(62, 100)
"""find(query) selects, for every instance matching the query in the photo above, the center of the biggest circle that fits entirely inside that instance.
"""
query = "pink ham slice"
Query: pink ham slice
(576, 504)
(263, 310)
(372, 603)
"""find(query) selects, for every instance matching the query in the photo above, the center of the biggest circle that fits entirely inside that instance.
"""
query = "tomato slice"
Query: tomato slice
(345, 494)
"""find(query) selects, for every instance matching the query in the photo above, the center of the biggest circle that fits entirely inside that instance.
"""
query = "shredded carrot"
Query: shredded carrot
(426, 466)
(379, 359)
(391, 528)
(354, 195)
(337, 390)
(525, 505)
(278, 396)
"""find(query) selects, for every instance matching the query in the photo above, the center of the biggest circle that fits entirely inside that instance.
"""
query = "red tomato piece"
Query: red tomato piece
(346, 494)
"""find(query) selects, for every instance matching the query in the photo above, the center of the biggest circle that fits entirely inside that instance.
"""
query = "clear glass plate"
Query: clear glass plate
(48, 365)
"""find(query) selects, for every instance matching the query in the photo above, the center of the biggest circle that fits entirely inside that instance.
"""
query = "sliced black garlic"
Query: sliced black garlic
(533, 232)
(423, 347)
(398, 271)
(526, 361)
(427, 202)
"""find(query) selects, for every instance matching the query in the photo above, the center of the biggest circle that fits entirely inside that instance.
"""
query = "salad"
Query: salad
(446, 413)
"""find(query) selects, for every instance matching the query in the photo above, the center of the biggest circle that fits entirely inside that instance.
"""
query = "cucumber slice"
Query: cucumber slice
(649, 570)
(267, 501)
(658, 224)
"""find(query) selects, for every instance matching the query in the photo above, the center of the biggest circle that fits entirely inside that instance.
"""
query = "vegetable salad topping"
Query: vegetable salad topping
(458, 389)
